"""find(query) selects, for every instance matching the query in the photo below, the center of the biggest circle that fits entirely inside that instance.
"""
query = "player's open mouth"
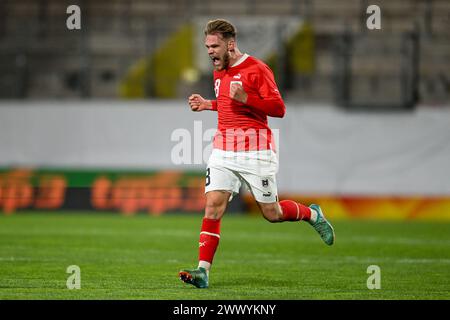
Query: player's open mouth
(215, 61)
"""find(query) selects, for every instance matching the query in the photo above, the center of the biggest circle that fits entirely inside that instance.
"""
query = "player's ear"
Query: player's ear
(231, 44)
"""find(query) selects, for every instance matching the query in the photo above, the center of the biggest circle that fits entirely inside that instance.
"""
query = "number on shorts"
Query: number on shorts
(208, 178)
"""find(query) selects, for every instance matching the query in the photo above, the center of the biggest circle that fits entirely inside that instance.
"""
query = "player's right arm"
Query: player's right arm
(198, 103)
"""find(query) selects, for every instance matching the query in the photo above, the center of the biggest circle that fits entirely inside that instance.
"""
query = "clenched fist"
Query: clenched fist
(198, 103)
(237, 93)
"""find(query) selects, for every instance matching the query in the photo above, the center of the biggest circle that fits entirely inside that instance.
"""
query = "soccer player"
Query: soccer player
(243, 147)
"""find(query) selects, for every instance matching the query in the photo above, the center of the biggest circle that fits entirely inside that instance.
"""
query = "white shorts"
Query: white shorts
(227, 170)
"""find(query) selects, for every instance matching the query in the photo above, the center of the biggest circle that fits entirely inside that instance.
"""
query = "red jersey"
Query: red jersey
(244, 127)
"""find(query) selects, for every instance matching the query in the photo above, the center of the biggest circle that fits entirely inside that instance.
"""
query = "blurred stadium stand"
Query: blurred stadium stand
(404, 63)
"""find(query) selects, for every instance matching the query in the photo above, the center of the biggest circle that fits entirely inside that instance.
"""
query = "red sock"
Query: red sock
(209, 239)
(293, 211)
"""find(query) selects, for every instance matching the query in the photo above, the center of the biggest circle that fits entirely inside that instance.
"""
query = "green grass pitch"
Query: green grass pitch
(139, 258)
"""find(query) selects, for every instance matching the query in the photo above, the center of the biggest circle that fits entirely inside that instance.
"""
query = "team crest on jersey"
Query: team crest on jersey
(265, 183)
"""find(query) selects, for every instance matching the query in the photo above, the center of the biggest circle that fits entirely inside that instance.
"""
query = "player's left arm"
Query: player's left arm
(268, 99)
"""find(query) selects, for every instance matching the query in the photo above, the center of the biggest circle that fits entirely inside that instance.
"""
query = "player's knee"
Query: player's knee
(214, 211)
(215, 208)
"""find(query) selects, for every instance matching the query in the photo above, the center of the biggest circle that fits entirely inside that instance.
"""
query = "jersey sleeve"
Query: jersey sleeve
(268, 99)
(213, 105)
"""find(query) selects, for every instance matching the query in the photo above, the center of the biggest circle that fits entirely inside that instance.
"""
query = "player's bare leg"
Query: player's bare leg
(271, 211)
(216, 204)
(288, 210)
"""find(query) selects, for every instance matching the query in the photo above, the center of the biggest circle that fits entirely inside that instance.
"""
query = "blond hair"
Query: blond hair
(221, 26)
